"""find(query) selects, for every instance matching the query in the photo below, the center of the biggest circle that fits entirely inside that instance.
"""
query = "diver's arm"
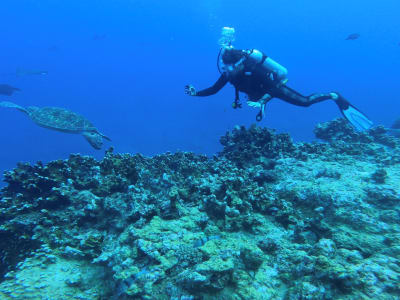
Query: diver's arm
(221, 82)
(218, 85)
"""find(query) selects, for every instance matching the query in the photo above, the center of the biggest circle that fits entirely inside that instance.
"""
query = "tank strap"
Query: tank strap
(256, 64)
(249, 52)
(264, 57)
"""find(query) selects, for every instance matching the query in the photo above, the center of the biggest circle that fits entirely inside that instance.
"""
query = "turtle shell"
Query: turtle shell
(59, 119)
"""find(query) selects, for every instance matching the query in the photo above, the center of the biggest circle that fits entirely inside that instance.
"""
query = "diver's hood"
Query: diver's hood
(227, 59)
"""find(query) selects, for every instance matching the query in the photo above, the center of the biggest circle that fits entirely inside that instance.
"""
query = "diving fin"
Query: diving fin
(360, 121)
(357, 118)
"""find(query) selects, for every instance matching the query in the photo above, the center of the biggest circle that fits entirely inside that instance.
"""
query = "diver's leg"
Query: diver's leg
(293, 97)
(350, 112)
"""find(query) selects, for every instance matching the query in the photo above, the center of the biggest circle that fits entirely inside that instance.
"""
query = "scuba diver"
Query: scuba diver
(261, 78)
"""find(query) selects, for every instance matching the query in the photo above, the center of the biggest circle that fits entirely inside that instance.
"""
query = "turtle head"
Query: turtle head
(94, 139)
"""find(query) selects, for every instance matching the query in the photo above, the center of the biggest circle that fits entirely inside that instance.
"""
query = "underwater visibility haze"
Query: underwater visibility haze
(151, 193)
(123, 65)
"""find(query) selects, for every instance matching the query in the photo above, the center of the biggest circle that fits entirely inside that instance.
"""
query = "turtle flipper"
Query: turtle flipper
(105, 137)
(102, 135)
(94, 139)
(12, 105)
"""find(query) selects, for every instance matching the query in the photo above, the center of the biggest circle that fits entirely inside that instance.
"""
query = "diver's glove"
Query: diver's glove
(190, 90)
(254, 104)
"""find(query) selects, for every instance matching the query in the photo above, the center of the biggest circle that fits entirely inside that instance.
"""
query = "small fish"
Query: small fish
(352, 37)
(24, 72)
(99, 37)
(201, 242)
(7, 90)
(53, 48)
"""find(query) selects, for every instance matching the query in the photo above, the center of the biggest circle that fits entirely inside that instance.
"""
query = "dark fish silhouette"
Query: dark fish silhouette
(7, 90)
(352, 37)
(25, 72)
(99, 37)
(54, 48)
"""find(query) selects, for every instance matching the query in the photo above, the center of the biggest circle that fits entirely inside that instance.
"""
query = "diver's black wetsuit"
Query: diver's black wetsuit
(257, 85)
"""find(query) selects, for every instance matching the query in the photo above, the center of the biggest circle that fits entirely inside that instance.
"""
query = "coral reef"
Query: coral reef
(266, 218)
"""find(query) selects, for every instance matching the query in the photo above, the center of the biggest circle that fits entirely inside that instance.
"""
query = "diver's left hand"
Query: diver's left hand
(254, 104)
(190, 90)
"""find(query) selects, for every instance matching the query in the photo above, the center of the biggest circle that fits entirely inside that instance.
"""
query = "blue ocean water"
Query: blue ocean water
(123, 65)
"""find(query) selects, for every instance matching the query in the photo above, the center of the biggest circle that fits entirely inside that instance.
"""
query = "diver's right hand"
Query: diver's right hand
(190, 90)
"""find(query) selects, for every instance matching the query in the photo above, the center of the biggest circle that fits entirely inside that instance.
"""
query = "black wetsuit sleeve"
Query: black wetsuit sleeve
(221, 82)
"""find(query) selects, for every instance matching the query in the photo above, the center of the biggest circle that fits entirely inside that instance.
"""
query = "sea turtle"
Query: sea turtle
(61, 119)
(7, 90)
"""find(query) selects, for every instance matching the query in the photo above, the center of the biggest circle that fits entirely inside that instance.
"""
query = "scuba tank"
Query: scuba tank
(276, 71)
